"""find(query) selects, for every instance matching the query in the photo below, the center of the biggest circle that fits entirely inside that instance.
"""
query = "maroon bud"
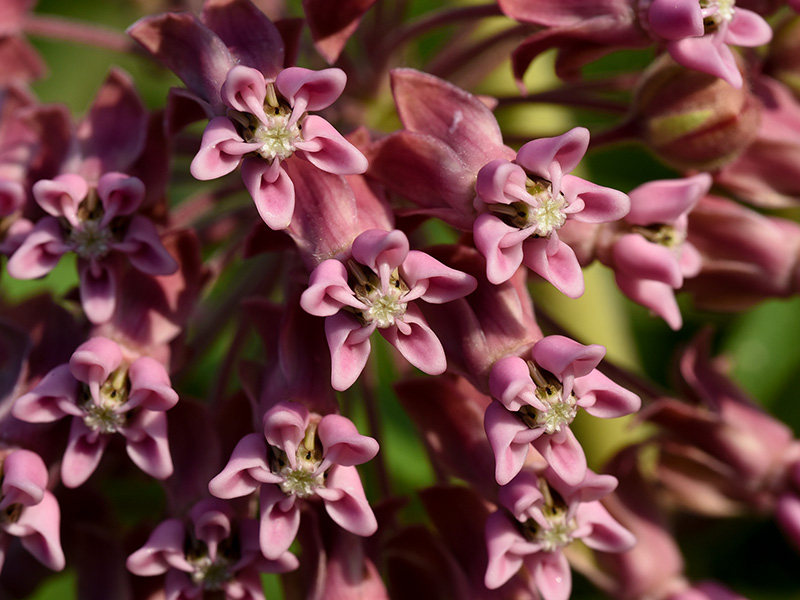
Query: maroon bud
(783, 62)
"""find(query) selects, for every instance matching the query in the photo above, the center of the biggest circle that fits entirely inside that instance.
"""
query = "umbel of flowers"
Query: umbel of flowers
(205, 404)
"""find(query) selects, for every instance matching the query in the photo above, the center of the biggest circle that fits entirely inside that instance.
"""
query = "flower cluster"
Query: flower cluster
(193, 403)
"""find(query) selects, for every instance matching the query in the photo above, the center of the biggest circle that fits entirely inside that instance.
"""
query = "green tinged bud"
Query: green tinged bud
(692, 120)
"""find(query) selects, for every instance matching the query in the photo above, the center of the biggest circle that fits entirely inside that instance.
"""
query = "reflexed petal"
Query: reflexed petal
(328, 290)
(221, 150)
(419, 345)
(120, 195)
(84, 450)
(94, 361)
(144, 249)
(274, 198)
(150, 386)
(285, 427)
(675, 19)
(245, 90)
(246, 470)
(342, 444)
(325, 148)
(601, 397)
(346, 502)
(53, 398)
(148, 444)
(61, 196)
(98, 286)
(704, 55)
(24, 479)
(502, 428)
(501, 245)
(664, 201)
(349, 344)
(40, 252)
(43, 521)
(501, 537)
(308, 90)
(600, 204)
(510, 382)
(637, 257)
(552, 575)
(556, 262)
(607, 534)
(562, 153)
(564, 357)
(521, 494)
(566, 457)
(501, 182)
(658, 297)
(381, 251)
(432, 281)
(280, 520)
(164, 549)
(747, 29)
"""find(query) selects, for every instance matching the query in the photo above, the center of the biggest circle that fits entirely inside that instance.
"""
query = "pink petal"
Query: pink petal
(342, 444)
(221, 150)
(280, 520)
(246, 470)
(61, 196)
(658, 297)
(521, 494)
(704, 55)
(501, 182)
(552, 575)
(607, 535)
(556, 262)
(285, 427)
(637, 257)
(675, 19)
(326, 149)
(94, 361)
(600, 204)
(84, 450)
(164, 549)
(566, 358)
(245, 90)
(308, 90)
(748, 29)
(24, 479)
(98, 287)
(40, 252)
(510, 382)
(602, 398)
(150, 386)
(381, 251)
(272, 191)
(53, 398)
(501, 537)
(120, 195)
(432, 281)
(43, 541)
(346, 503)
(565, 456)
(562, 153)
(501, 245)
(147, 443)
(144, 249)
(502, 428)
(418, 344)
(665, 201)
(349, 344)
(328, 290)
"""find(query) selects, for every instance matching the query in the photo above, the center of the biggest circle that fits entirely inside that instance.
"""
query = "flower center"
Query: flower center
(277, 137)
(302, 479)
(554, 530)
(91, 241)
(102, 413)
(663, 235)
(383, 307)
(542, 211)
(716, 12)
(559, 411)
(210, 574)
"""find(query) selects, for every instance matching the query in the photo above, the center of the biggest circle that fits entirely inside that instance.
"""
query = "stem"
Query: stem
(217, 392)
(624, 131)
(442, 18)
(367, 385)
(68, 30)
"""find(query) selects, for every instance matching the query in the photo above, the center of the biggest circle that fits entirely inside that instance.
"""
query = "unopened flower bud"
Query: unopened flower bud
(692, 120)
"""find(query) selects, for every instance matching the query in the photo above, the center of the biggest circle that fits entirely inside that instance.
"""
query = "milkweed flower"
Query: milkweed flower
(300, 456)
(105, 394)
(537, 400)
(375, 289)
(210, 551)
(525, 202)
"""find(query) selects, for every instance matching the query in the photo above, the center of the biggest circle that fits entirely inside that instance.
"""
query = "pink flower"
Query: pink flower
(545, 516)
(526, 202)
(104, 395)
(536, 400)
(698, 34)
(97, 223)
(300, 455)
(650, 255)
(30, 512)
(211, 552)
(267, 124)
(374, 290)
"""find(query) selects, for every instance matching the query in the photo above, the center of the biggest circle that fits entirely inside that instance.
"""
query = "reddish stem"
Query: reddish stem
(60, 28)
